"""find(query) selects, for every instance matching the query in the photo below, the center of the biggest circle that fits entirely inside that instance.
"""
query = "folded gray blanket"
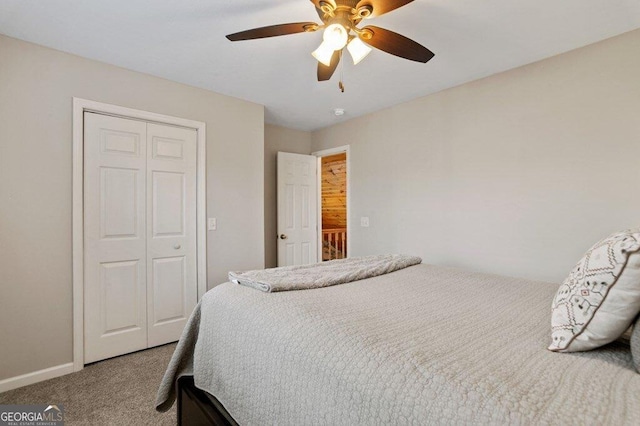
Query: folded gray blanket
(302, 277)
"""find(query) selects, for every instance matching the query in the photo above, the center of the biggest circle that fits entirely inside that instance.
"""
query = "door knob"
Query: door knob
(177, 246)
(283, 237)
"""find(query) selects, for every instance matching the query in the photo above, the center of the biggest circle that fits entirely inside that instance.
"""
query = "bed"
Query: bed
(422, 345)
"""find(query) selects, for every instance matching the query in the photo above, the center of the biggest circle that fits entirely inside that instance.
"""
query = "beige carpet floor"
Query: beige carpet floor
(117, 391)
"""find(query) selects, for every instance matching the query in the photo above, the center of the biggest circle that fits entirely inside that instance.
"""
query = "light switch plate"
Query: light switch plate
(212, 224)
(364, 221)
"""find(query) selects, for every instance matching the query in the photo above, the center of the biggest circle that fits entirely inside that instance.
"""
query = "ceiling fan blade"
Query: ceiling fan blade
(325, 72)
(380, 7)
(397, 44)
(273, 31)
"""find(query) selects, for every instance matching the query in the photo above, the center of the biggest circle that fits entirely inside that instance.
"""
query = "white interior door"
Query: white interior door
(115, 236)
(297, 209)
(171, 231)
(140, 234)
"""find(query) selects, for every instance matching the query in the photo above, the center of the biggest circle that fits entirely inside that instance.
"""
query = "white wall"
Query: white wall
(276, 139)
(36, 89)
(517, 174)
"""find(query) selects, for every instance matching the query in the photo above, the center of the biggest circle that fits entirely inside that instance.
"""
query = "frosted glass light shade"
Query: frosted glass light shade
(358, 50)
(336, 36)
(324, 53)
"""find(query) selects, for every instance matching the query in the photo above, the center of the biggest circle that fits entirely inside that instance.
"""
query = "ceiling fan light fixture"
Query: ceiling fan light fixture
(336, 36)
(358, 50)
(323, 53)
(340, 20)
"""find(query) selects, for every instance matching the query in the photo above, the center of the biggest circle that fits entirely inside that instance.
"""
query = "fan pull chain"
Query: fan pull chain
(340, 83)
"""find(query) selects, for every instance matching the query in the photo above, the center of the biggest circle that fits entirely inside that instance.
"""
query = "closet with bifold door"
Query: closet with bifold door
(140, 278)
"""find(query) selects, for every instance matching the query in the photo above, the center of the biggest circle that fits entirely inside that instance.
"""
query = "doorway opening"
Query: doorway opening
(333, 206)
(313, 206)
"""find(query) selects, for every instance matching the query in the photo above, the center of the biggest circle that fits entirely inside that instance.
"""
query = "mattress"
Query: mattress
(423, 345)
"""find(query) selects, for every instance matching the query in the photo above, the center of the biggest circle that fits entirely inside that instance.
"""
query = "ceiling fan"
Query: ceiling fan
(340, 20)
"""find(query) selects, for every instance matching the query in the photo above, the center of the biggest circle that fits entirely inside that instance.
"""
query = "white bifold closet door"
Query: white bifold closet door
(140, 234)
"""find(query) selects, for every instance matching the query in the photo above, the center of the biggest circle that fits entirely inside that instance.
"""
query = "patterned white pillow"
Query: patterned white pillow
(600, 297)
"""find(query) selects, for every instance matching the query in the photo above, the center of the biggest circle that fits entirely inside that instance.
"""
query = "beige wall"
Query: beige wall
(36, 87)
(276, 139)
(516, 174)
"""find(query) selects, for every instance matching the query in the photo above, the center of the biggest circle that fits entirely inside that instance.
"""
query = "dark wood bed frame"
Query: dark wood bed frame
(198, 408)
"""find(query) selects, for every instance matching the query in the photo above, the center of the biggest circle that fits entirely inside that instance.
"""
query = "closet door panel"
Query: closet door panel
(115, 311)
(171, 230)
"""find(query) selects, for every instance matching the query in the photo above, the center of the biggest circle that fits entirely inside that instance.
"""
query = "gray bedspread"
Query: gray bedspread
(423, 345)
(324, 274)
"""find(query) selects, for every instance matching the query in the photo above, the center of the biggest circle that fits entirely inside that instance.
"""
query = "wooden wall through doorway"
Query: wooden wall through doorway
(334, 206)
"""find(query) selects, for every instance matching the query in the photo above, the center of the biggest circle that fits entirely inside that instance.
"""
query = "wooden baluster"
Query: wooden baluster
(324, 238)
(344, 244)
(331, 255)
(335, 245)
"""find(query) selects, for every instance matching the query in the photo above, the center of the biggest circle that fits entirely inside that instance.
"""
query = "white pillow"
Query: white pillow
(600, 297)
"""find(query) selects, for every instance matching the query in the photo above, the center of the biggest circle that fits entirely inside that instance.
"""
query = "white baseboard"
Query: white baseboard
(35, 377)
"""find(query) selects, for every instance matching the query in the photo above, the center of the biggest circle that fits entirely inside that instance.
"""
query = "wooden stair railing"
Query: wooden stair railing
(334, 243)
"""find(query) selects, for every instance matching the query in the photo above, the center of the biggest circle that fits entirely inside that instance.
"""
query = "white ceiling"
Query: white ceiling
(183, 40)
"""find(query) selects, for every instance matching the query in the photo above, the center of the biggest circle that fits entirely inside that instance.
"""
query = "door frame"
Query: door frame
(325, 153)
(80, 106)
